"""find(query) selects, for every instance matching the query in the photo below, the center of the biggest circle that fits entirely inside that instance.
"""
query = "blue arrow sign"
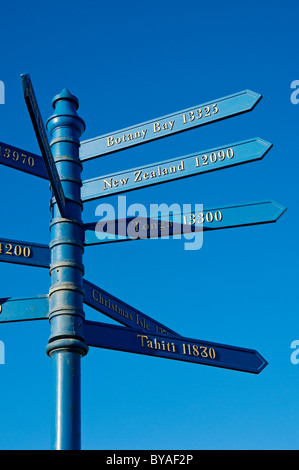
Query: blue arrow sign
(118, 338)
(43, 142)
(20, 252)
(122, 312)
(22, 160)
(171, 170)
(132, 228)
(170, 124)
(35, 308)
(234, 216)
(173, 224)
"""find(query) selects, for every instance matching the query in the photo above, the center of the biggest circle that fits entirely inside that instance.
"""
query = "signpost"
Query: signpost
(171, 170)
(42, 139)
(217, 218)
(22, 160)
(34, 308)
(71, 334)
(180, 121)
(178, 348)
(122, 312)
(19, 252)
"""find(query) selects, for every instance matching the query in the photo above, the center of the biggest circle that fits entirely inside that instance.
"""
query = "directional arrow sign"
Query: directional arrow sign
(19, 252)
(122, 312)
(178, 348)
(43, 142)
(133, 228)
(35, 308)
(235, 216)
(180, 121)
(22, 160)
(173, 224)
(170, 170)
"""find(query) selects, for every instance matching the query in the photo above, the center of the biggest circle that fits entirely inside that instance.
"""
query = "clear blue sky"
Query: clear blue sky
(129, 62)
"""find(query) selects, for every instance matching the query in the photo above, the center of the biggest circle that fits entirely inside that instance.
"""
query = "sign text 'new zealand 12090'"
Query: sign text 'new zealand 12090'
(170, 170)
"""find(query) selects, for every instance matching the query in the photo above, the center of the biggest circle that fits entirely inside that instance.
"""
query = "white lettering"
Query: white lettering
(295, 354)
(105, 230)
(2, 93)
(294, 99)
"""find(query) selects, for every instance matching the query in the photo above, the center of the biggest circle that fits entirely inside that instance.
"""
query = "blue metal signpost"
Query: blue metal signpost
(66, 344)
(61, 163)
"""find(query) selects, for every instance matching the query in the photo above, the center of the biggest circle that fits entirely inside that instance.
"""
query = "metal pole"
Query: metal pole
(66, 344)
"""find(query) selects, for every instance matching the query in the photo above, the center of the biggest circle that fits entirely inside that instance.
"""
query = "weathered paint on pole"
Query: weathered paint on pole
(66, 344)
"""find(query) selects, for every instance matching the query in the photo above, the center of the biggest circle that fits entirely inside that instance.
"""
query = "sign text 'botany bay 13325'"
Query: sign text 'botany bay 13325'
(179, 121)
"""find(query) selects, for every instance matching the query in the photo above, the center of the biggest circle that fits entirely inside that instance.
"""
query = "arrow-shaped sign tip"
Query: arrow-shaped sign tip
(257, 97)
(264, 363)
(280, 210)
(265, 146)
(25, 78)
